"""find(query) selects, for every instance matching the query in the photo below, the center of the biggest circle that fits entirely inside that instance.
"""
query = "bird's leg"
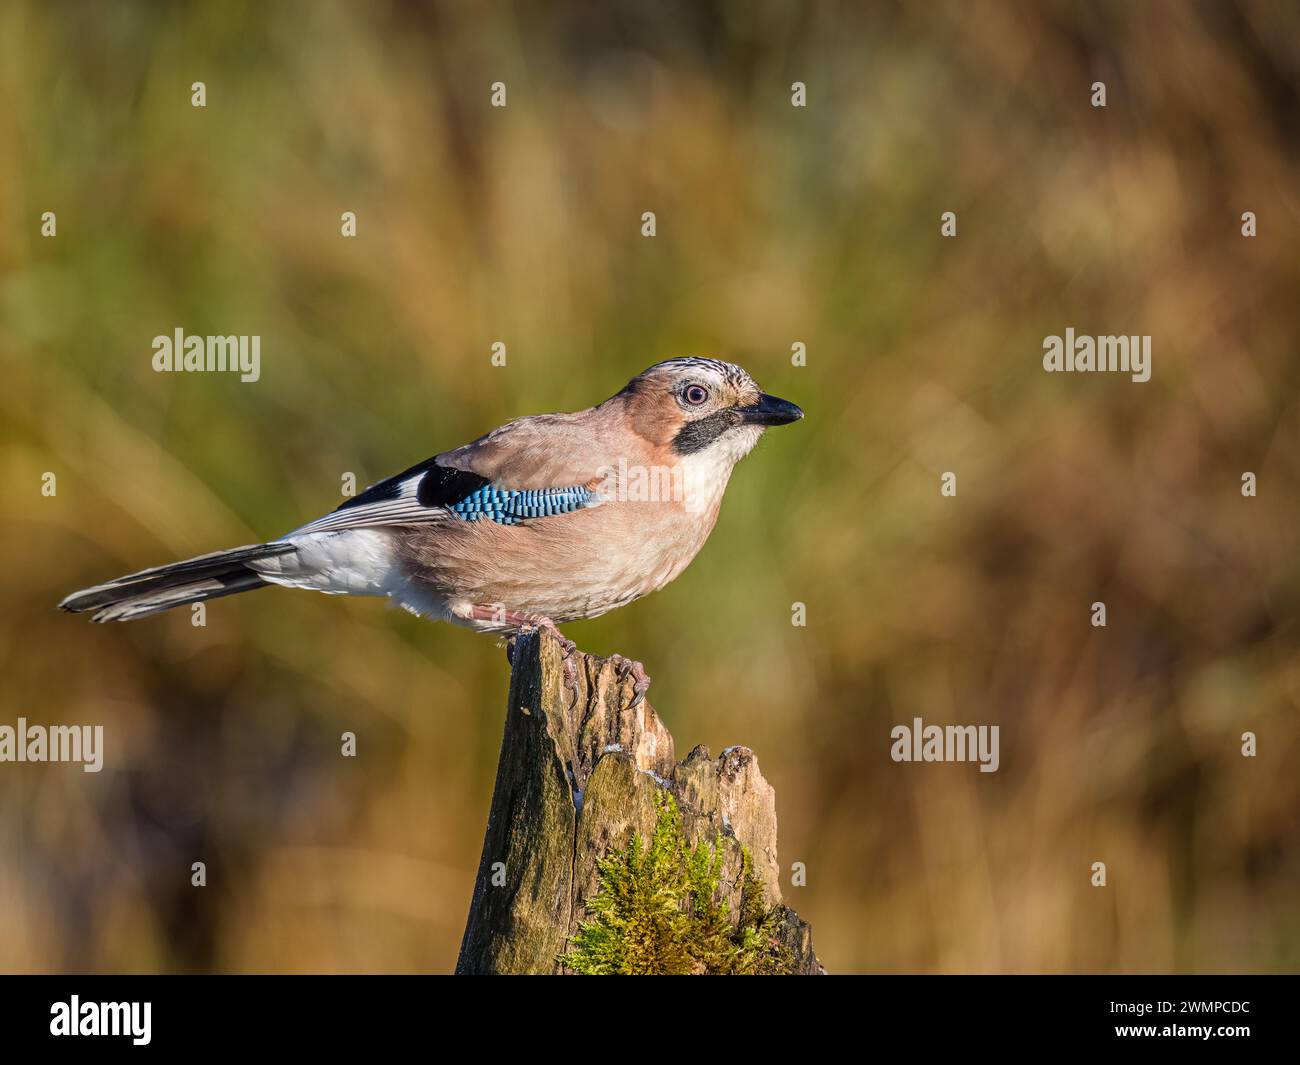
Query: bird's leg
(626, 667)
(515, 619)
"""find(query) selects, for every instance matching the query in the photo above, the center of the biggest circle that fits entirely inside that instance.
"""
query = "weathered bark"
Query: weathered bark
(575, 780)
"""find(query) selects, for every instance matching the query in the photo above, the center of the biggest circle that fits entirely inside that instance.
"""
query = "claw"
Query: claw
(638, 692)
(571, 679)
(628, 668)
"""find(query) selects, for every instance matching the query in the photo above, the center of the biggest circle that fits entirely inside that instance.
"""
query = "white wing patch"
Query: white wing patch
(404, 509)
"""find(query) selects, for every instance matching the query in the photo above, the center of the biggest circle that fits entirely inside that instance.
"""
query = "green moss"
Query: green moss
(658, 910)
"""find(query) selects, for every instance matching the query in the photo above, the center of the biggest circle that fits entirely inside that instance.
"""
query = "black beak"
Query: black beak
(770, 411)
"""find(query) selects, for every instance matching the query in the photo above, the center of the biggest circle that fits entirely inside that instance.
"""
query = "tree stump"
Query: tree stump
(577, 778)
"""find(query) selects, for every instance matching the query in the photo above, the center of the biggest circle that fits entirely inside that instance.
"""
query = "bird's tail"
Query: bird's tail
(153, 590)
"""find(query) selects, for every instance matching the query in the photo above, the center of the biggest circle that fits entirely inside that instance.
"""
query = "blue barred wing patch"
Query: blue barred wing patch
(511, 506)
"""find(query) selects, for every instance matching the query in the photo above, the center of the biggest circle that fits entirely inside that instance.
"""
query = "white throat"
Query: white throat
(705, 473)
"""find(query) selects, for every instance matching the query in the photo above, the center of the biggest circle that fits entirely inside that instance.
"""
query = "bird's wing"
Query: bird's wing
(421, 494)
(542, 451)
(528, 469)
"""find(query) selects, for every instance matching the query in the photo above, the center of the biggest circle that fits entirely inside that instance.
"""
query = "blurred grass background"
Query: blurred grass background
(775, 225)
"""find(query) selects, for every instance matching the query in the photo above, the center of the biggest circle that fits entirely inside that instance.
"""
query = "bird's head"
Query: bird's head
(700, 406)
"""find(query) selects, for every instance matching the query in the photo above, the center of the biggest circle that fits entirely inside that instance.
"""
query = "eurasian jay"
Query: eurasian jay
(547, 519)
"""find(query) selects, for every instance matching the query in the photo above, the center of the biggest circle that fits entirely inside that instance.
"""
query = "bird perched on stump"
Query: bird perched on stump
(548, 519)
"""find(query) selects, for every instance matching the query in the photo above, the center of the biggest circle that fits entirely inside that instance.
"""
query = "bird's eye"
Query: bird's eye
(696, 394)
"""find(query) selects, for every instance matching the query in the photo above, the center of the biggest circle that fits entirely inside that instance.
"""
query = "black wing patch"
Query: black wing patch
(439, 487)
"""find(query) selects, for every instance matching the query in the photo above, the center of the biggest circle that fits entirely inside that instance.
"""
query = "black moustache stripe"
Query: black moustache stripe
(699, 434)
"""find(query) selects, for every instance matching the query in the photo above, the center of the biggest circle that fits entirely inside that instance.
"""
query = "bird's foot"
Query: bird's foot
(567, 647)
(499, 616)
(548, 626)
(626, 667)
(504, 619)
